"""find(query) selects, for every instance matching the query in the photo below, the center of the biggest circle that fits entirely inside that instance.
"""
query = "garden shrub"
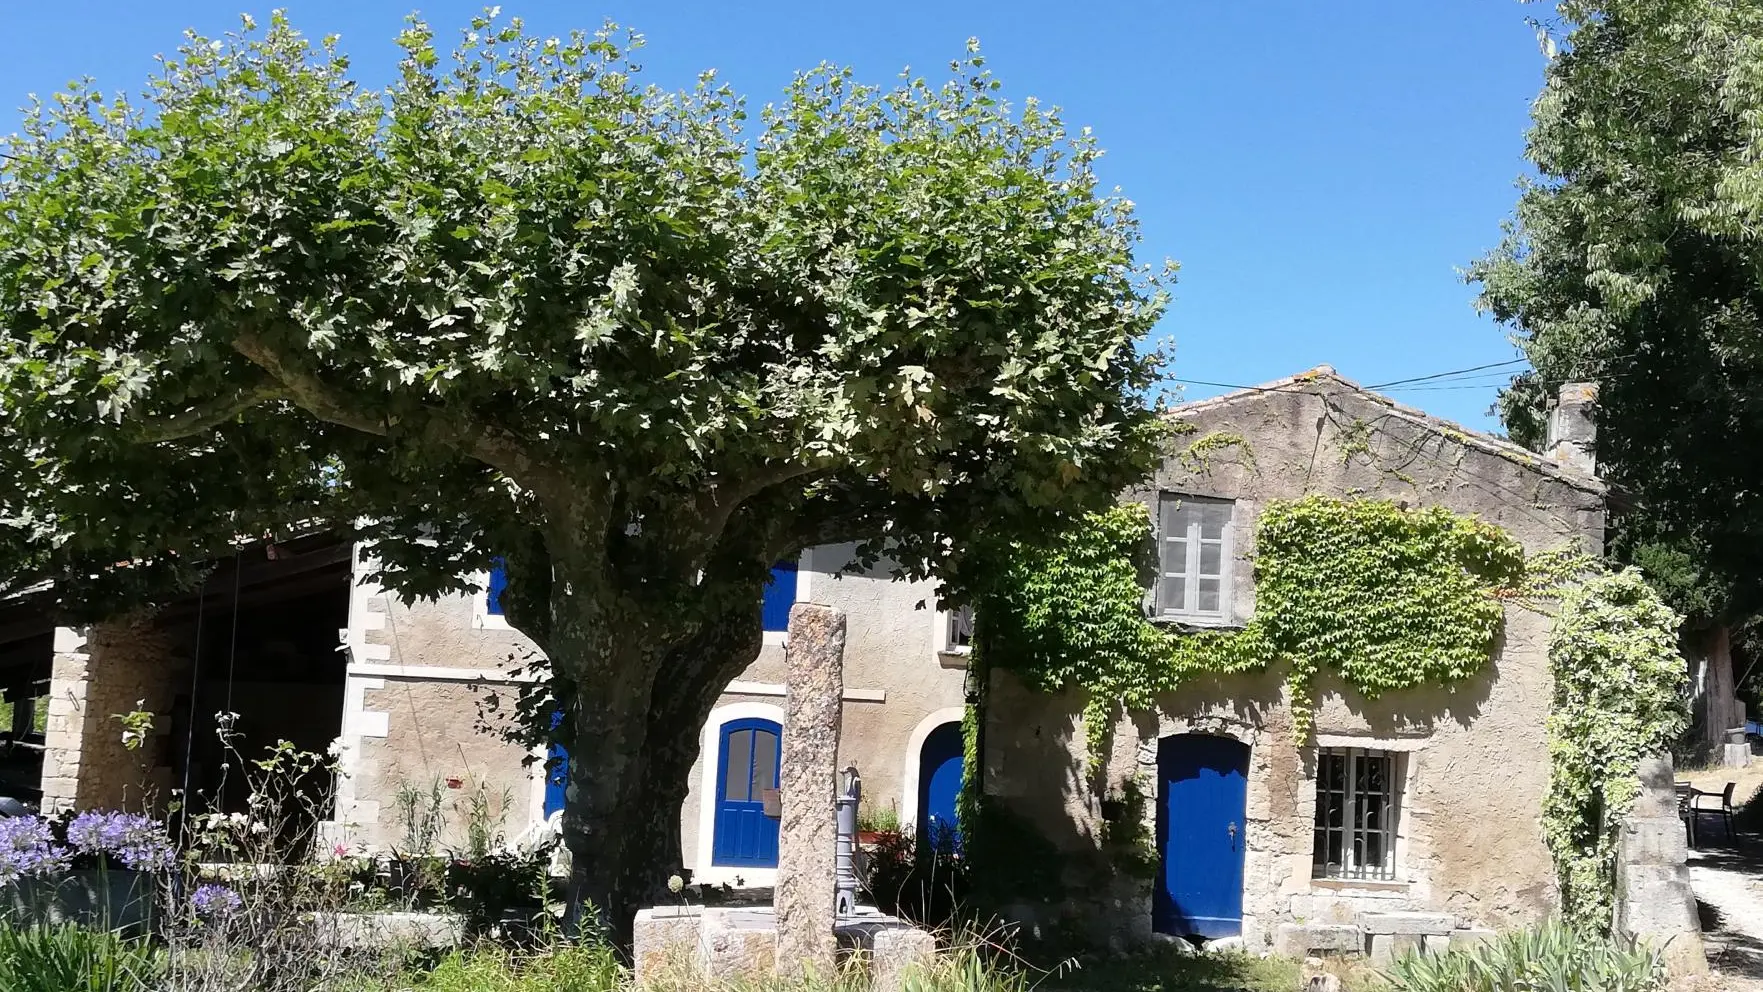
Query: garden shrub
(1553, 956)
(1618, 698)
(69, 958)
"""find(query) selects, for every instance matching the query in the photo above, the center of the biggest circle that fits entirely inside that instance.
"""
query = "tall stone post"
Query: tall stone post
(1653, 898)
(807, 834)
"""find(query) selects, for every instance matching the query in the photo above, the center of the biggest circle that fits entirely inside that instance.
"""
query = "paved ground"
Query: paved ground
(1728, 884)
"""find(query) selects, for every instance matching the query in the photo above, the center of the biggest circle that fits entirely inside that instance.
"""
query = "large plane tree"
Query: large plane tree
(518, 306)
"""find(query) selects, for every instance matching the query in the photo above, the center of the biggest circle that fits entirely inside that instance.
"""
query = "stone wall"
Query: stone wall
(419, 672)
(98, 673)
(419, 676)
(1473, 763)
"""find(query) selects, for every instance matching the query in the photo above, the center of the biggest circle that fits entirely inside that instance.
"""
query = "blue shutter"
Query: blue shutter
(780, 595)
(493, 595)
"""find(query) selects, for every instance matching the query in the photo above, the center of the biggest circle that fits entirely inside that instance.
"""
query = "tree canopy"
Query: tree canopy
(518, 305)
(1636, 261)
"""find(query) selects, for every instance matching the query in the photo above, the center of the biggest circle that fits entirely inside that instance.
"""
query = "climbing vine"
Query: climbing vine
(1619, 681)
(1387, 598)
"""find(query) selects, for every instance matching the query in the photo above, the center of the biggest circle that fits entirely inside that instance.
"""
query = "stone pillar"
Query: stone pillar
(97, 673)
(1653, 898)
(64, 729)
(807, 836)
(1572, 431)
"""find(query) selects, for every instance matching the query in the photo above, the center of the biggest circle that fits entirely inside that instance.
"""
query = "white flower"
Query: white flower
(675, 884)
(335, 749)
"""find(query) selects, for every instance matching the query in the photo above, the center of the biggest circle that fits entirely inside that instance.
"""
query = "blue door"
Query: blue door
(939, 784)
(747, 766)
(1202, 792)
(556, 778)
(556, 771)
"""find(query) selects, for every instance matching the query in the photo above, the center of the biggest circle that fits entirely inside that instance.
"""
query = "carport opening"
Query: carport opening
(268, 669)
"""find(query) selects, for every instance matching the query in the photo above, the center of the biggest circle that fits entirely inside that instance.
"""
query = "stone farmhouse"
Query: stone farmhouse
(1420, 808)
(1417, 806)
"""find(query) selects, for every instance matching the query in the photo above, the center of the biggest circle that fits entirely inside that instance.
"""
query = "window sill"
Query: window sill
(954, 657)
(1199, 623)
(1367, 884)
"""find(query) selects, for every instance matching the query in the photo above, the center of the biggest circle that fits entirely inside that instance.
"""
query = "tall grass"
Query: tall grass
(70, 958)
(1552, 957)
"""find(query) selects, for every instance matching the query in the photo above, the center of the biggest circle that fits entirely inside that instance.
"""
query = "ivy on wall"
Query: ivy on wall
(1385, 597)
(1619, 683)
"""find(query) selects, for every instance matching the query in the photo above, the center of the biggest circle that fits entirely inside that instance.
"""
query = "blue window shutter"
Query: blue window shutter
(498, 582)
(780, 595)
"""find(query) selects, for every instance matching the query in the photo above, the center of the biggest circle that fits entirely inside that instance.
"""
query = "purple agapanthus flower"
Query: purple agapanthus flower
(28, 849)
(138, 841)
(215, 900)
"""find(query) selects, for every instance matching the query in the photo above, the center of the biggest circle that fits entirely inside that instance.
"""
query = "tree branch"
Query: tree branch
(201, 419)
(456, 429)
(719, 500)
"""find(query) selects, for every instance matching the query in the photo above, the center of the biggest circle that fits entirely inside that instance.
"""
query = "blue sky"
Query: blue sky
(1320, 170)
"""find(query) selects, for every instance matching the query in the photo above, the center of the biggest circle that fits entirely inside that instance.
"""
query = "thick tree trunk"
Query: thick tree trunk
(633, 731)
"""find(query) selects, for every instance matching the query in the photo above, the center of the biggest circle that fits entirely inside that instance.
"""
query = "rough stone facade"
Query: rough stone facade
(419, 674)
(1471, 761)
(98, 673)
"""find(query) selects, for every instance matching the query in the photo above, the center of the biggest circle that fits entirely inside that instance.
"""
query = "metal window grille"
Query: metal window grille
(958, 635)
(1195, 556)
(1355, 814)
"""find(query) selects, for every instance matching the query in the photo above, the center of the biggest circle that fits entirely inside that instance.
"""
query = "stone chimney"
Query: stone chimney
(1573, 431)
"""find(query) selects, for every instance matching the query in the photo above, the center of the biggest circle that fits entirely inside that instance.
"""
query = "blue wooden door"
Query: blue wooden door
(556, 779)
(556, 771)
(1202, 793)
(747, 765)
(939, 785)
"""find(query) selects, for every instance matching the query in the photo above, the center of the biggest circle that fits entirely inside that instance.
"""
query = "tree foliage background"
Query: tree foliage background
(1636, 261)
(518, 305)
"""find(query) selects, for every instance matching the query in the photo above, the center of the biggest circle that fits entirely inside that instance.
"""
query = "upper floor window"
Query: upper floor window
(1195, 556)
(780, 595)
(958, 630)
(1356, 813)
(493, 591)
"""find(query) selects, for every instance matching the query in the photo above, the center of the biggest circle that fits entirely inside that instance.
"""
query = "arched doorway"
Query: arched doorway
(748, 764)
(939, 786)
(1202, 792)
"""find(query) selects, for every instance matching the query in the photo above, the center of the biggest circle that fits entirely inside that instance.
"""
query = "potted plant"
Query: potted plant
(99, 869)
(873, 825)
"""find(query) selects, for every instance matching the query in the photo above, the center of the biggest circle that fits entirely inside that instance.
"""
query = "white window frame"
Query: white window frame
(1226, 562)
(1351, 828)
(948, 653)
(481, 617)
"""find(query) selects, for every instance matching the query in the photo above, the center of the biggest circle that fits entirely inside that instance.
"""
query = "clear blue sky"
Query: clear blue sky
(1320, 170)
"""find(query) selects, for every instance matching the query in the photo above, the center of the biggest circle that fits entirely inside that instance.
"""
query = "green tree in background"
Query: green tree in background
(1636, 261)
(517, 305)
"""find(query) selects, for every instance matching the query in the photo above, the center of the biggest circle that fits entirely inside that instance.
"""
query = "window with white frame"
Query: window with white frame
(1194, 556)
(958, 630)
(1356, 812)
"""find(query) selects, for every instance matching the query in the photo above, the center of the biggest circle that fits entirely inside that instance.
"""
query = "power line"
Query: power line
(1446, 375)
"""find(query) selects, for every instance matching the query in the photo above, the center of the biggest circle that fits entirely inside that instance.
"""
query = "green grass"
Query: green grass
(1164, 970)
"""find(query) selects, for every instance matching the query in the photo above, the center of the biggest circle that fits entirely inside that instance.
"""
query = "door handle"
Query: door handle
(1232, 830)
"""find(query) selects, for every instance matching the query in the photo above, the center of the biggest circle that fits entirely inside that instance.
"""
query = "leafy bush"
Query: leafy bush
(1554, 956)
(922, 883)
(70, 958)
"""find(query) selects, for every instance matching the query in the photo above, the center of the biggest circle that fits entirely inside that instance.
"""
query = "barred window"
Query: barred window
(1356, 813)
